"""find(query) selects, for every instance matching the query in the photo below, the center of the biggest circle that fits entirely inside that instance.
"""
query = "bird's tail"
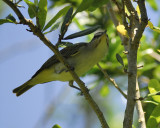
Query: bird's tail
(22, 89)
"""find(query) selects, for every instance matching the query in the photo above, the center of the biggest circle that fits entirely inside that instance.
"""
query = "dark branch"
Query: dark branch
(143, 23)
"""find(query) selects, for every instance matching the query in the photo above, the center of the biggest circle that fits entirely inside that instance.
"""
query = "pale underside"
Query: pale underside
(81, 62)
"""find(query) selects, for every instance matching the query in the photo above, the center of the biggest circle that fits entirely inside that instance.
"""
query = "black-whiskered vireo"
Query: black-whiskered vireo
(80, 56)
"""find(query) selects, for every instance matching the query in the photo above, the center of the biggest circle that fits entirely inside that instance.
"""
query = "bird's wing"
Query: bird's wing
(66, 53)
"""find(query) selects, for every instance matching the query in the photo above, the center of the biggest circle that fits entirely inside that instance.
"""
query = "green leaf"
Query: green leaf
(32, 9)
(76, 21)
(150, 24)
(96, 4)
(153, 4)
(82, 33)
(104, 91)
(120, 60)
(67, 19)
(36, 2)
(10, 17)
(133, 126)
(54, 27)
(154, 87)
(154, 119)
(61, 13)
(56, 126)
(90, 5)
(154, 28)
(2, 21)
(85, 4)
(42, 13)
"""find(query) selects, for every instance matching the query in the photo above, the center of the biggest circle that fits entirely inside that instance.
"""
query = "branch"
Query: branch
(142, 24)
(36, 31)
(132, 64)
(132, 76)
(118, 5)
(130, 7)
(112, 15)
(112, 81)
(132, 48)
(139, 107)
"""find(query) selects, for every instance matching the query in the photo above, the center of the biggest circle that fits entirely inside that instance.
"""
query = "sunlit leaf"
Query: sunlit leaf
(154, 119)
(80, 26)
(156, 72)
(150, 24)
(82, 33)
(126, 11)
(42, 13)
(154, 28)
(121, 29)
(154, 87)
(138, 11)
(67, 19)
(32, 9)
(61, 13)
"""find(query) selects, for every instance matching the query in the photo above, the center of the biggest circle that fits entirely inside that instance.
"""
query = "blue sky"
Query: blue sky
(21, 55)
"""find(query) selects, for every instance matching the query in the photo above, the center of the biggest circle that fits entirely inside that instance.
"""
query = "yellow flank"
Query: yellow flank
(82, 62)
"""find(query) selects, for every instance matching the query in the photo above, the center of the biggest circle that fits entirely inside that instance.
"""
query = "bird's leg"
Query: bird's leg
(71, 85)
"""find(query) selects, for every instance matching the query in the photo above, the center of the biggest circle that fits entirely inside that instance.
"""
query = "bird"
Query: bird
(81, 56)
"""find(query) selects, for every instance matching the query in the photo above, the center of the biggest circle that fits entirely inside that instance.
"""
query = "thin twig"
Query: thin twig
(112, 81)
(36, 31)
(118, 6)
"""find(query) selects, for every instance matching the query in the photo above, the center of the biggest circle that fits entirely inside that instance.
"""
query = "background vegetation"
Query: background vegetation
(89, 13)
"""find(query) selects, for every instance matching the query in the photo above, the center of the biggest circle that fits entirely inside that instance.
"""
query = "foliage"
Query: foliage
(148, 54)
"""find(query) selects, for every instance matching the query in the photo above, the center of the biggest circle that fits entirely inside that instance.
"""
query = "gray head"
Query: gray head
(98, 35)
